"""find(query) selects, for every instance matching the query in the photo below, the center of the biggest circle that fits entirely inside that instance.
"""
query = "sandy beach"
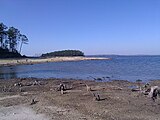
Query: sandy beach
(39, 99)
(10, 62)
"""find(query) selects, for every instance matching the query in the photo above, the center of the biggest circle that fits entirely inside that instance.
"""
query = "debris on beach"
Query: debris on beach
(18, 84)
(154, 92)
(113, 99)
(96, 97)
(33, 102)
(88, 88)
(62, 91)
(61, 87)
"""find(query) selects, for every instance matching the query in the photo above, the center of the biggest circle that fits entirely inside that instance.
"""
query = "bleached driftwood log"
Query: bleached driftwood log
(154, 92)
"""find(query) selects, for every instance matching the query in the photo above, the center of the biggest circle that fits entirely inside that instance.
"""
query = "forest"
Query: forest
(11, 41)
(64, 53)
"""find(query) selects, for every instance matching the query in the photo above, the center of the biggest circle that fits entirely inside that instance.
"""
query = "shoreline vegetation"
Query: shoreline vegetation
(64, 53)
(11, 42)
(30, 61)
(62, 99)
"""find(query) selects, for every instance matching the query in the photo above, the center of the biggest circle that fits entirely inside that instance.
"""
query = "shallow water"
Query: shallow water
(120, 68)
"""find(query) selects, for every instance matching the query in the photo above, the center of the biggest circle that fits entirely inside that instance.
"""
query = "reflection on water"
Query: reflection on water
(9, 74)
(120, 67)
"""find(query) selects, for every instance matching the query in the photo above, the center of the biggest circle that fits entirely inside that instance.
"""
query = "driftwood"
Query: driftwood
(88, 88)
(154, 92)
(33, 102)
(36, 83)
(96, 97)
(61, 88)
(144, 89)
(62, 91)
(18, 84)
(136, 89)
(33, 83)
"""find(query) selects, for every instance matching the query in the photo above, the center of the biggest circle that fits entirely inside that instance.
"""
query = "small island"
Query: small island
(57, 56)
(64, 53)
(12, 40)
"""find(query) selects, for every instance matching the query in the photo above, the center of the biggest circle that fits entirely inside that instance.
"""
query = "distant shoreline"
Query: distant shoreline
(30, 61)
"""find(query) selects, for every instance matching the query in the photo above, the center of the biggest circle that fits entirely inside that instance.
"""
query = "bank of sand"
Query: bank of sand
(117, 101)
(8, 62)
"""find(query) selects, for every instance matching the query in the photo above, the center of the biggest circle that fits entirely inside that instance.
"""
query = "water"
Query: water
(120, 68)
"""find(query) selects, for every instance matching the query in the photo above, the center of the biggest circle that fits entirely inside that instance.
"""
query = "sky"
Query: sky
(123, 27)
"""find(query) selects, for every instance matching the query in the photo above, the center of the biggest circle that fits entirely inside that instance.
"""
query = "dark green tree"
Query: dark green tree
(13, 37)
(3, 35)
(23, 40)
(11, 40)
(64, 53)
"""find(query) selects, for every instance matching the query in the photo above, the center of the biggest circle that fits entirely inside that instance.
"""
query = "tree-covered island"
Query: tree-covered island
(64, 53)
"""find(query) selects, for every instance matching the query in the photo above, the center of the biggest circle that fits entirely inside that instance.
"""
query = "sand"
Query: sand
(117, 101)
(9, 62)
(20, 113)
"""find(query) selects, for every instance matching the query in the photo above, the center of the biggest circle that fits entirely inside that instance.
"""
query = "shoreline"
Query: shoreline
(117, 101)
(30, 61)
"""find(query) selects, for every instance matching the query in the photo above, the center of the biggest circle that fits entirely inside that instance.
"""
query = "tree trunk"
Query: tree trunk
(20, 47)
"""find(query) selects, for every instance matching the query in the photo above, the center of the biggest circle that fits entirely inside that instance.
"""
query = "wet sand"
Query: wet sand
(117, 101)
(10, 62)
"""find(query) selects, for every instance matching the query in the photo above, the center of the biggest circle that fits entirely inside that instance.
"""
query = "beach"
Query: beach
(79, 60)
(24, 61)
(39, 99)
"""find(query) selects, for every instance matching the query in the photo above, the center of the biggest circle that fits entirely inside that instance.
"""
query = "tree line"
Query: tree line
(11, 39)
(64, 53)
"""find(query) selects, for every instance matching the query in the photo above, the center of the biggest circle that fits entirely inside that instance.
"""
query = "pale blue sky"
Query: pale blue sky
(124, 27)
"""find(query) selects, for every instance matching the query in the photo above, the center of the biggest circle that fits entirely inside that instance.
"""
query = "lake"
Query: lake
(119, 68)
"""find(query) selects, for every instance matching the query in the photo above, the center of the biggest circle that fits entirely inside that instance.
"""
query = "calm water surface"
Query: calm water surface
(120, 67)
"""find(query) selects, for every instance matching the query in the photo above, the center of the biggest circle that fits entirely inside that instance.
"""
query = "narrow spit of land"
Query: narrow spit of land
(8, 62)
(39, 99)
